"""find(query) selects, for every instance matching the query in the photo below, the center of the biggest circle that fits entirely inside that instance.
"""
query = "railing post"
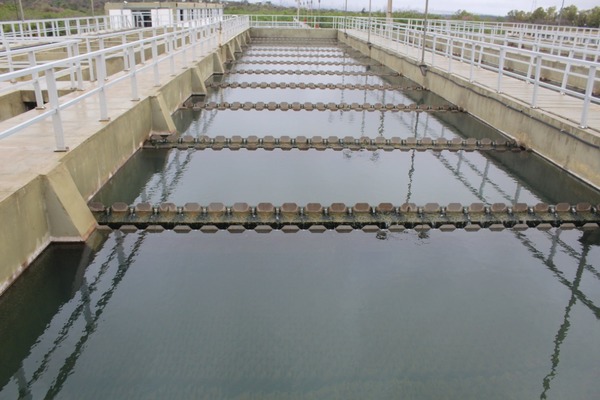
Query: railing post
(70, 66)
(134, 86)
(56, 119)
(472, 67)
(536, 83)
(500, 69)
(565, 79)
(77, 65)
(184, 50)
(9, 58)
(193, 40)
(126, 65)
(88, 47)
(101, 73)
(142, 50)
(450, 55)
(39, 98)
(170, 46)
(588, 96)
(155, 62)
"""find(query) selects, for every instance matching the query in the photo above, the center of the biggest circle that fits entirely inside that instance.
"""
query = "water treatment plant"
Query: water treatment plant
(231, 207)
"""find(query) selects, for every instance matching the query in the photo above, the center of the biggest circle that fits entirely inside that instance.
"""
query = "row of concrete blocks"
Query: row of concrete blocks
(307, 106)
(316, 209)
(278, 62)
(307, 53)
(381, 233)
(301, 40)
(332, 142)
(307, 72)
(310, 85)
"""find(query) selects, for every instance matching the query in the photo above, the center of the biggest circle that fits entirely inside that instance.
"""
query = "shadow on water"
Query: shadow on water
(587, 240)
(550, 182)
(55, 281)
(125, 185)
(29, 305)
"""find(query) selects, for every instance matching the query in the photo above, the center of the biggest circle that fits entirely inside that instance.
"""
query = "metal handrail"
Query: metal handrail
(491, 56)
(200, 39)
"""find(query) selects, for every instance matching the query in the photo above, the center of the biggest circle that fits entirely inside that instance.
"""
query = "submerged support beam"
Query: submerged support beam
(497, 216)
(158, 141)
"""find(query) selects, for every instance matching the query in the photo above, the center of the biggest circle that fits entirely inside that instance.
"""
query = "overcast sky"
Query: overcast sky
(493, 7)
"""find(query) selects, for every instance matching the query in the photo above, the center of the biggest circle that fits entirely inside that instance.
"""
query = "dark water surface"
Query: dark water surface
(486, 315)
(329, 176)
(492, 315)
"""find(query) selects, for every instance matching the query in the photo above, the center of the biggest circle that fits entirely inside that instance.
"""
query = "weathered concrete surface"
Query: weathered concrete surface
(293, 33)
(561, 142)
(430, 215)
(43, 194)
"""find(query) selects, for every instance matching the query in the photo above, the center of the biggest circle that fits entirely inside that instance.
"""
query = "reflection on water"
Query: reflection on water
(323, 123)
(257, 316)
(278, 176)
(492, 315)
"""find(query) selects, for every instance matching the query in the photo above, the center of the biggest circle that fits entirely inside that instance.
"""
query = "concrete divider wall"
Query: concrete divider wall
(94, 161)
(294, 33)
(563, 143)
(53, 205)
(25, 231)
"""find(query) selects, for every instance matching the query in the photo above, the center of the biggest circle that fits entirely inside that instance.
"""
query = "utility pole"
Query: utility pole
(22, 14)
(369, 31)
(560, 13)
(389, 11)
(423, 67)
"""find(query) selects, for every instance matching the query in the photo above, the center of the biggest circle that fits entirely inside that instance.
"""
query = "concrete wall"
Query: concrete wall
(294, 33)
(53, 206)
(11, 104)
(562, 143)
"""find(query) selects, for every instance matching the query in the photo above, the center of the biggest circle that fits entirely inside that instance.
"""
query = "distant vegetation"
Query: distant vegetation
(38, 9)
(42, 9)
(569, 16)
(268, 8)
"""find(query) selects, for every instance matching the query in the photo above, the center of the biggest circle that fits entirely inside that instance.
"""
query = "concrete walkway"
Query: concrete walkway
(562, 107)
(29, 153)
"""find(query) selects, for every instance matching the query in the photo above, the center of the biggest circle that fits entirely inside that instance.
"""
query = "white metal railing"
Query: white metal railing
(198, 39)
(505, 49)
(294, 21)
(506, 61)
(53, 28)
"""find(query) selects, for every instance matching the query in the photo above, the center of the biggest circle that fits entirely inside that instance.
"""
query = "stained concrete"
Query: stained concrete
(43, 194)
(560, 141)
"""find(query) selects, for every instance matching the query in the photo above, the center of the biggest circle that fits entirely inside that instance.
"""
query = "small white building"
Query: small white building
(150, 14)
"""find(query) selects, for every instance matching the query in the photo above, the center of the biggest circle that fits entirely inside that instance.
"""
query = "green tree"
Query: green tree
(539, 15)
(464, 15)
(517, 16)
(593, 18)
(569, 15)
(551, 14)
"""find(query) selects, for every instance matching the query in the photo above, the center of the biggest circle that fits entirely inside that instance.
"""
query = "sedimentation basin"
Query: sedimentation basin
(230, 301)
